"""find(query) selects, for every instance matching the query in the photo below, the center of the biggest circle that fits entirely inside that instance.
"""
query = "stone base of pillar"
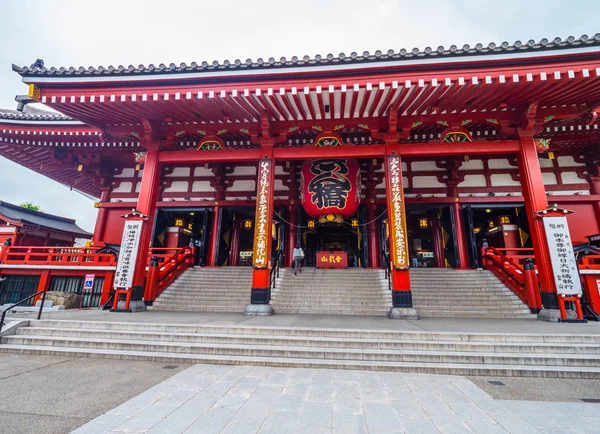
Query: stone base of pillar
(403, 313)
(550, 315)
(259, 310)
(553, 315)
(134, 306)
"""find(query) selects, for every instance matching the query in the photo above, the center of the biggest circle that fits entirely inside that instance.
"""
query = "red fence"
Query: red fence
(55, 256)
(172, 263)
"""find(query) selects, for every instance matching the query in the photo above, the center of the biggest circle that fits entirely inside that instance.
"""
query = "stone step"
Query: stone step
(305, 341)
(407, 355)
(341, 333)
(200, 308)
(408, 367)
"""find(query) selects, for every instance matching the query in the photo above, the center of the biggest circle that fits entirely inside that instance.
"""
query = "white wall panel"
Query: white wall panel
(473, 181)
(244, 170)
(124, 187)
(242, 186)
(546, 163)
(177, 187)
(568, 161)
(503, 180)
(571, 178)
(499, 163)
(201, 171)
(202, 186)
(127, 173)
(426, 182)
(419, 166)
(179, 171)
(549, 178)
(472, 165)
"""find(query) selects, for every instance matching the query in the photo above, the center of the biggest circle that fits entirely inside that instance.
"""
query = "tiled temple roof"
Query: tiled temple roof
(17, 214)
(32, 114)
(453, 51)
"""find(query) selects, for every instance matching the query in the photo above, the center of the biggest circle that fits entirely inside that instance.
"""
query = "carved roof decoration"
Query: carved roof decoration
(531, 47)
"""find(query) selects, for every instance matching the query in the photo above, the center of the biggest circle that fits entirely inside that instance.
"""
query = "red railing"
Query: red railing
(171, 264)
(589, 269)
(516, 269)
(56, 256)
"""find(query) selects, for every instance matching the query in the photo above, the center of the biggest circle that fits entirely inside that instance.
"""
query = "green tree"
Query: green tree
(31, 206)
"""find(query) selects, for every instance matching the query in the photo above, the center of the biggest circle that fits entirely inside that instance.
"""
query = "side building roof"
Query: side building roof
(18, 215)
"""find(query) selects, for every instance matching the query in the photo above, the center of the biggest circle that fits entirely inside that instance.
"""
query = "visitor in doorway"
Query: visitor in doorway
(415, 262)
(298, 255)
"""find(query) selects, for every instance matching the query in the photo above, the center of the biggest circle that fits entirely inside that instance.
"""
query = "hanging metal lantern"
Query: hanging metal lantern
(504, 220)
(247, 224)
(490, 223)
(311, 224)
(423, 222)
(354, 223)
(330, 186)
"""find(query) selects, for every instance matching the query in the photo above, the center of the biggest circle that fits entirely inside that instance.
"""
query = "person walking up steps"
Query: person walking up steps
(298, 255)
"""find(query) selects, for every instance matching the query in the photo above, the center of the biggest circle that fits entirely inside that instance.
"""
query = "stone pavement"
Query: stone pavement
(222, 399)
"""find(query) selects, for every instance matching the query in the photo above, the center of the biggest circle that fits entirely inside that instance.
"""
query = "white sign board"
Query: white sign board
(564, 265)
(128, 254)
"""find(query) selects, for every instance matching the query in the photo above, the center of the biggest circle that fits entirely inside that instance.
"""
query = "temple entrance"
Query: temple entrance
(324, 239)
(181, 227)
(498, 225)
(431, 236)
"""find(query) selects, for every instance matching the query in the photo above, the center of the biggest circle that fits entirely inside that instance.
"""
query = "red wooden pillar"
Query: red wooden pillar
(292, 233)
(146, 205)
(595, 189)
(214, 236)
(43, 284)
(459, 232)
(373, 234)
(99, 229)
(261, 259)
(234, 254)
(438, 243)
(402, 307)
(535, 198)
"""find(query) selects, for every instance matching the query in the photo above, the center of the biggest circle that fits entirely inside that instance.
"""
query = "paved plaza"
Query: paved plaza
(56, 395)
(221, 399)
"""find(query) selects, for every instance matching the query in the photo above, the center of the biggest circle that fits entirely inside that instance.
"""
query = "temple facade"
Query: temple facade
(396, 160)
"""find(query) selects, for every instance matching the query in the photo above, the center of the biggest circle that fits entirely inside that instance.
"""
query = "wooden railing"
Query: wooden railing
(56, 256)
(516, 269)
(589, 269)
(164, 266)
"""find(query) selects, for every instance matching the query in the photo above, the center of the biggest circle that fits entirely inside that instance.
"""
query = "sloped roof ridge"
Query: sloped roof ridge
(34, 212)
(366, 57)
(38, 115)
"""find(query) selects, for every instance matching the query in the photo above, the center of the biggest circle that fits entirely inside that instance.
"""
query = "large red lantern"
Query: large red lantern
(330, 186)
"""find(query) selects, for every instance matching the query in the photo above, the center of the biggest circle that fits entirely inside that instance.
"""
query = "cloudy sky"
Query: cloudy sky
(113, 32)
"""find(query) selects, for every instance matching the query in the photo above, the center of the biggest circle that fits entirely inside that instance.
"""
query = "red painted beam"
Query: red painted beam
(210, 156)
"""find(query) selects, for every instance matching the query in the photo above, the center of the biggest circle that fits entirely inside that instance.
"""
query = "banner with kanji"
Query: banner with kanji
(262, 227)
(396, 213)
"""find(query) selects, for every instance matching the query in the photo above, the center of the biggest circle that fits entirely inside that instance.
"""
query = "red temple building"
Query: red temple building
(26, 227)
(396, 160)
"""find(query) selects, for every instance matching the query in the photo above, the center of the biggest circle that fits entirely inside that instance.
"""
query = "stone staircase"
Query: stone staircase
(354, 291)
(202, 289)
(444, 292)
(490, 354)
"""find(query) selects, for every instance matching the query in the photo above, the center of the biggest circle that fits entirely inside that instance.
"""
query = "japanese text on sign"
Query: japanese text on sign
(263, 198)
(564, 265)
(397, 223)
(128, 254)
